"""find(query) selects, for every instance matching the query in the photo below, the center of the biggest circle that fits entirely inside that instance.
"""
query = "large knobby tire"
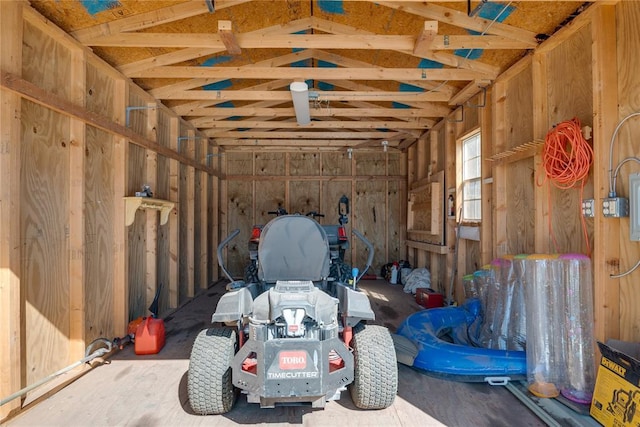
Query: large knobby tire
(209, 379)
(375, 382)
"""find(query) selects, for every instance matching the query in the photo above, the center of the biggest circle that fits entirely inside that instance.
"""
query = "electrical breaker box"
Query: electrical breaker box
(634, 206)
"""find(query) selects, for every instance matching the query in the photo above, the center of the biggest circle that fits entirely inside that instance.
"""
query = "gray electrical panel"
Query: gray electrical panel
(634, 206)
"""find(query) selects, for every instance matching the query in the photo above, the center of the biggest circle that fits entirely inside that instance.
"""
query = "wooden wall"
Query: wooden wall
(303, 181)
(73, 154)
(586, 70)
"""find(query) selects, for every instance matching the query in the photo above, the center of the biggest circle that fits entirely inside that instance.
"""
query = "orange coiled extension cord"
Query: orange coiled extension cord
(567, 159)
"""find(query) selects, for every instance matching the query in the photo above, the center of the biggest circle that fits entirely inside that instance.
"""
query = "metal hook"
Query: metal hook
(130, 109)
(461, 118)
(484, 99)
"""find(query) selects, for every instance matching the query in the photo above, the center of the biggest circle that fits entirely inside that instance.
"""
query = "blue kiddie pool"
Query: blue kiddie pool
(444, 339)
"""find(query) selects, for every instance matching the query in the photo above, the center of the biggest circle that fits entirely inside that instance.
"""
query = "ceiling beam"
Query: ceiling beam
(334, 124)
(306, 135)
(468, 91)
(283, 95)
(304, 41)
(315, 112)
(310, 73)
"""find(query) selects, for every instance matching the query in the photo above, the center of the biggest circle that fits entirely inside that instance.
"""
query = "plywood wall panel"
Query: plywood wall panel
(370, 218)
(396, 164)
(518, 110)
(332, 191)
(162, 191)
(136, 237)
(520, 207)
(44, 231)
(395, 224)
(269, 196)
(99, 92)
(239, 163)
(270, 163)
(570, 95)
(240, 202)
(99, 241)
(304, 196)
(301, 164)
(336, 164)
(371, 163)
(46, 63)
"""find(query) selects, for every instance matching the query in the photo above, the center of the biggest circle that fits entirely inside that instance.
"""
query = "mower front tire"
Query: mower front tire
(375, 381)
(209, 382)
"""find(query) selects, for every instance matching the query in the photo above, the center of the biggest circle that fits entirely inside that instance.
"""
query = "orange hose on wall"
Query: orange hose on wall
(567, 159)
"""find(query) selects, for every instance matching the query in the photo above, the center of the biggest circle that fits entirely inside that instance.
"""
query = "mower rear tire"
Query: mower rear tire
(209, 381)
(375, 381)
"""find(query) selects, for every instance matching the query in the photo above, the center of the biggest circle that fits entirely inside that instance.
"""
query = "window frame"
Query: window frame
(476, 135)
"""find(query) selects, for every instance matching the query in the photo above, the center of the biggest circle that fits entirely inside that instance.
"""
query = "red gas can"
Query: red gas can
(428, 298)
(149, 336)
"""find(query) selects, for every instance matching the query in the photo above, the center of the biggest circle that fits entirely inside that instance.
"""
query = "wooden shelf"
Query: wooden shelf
(132, 204)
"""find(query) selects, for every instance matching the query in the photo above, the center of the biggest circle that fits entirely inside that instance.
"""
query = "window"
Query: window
(471, 178)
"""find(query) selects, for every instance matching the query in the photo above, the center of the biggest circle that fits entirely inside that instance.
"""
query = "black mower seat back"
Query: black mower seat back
(293, 247)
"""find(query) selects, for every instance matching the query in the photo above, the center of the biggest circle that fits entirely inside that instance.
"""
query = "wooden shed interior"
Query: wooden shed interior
(99, 98)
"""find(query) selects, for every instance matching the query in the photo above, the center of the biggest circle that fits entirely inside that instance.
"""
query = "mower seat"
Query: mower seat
(293, 247)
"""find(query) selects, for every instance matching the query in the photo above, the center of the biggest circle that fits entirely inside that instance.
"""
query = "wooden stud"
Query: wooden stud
(606, 251)
(151, 232)
(228, 38)
(121, 246)
(203, 219)
(543, 243)
(426, 37)
(189, 187)
(409, 74)
(77, 147)
(174, 217)
(499, 188)
(11, 295)
(486, 231)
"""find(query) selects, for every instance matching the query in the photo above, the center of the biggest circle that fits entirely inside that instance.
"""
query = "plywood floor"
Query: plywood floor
(151, 390)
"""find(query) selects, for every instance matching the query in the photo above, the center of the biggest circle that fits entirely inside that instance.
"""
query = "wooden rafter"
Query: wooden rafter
(219, 113)
(304, 41)
(305, 73)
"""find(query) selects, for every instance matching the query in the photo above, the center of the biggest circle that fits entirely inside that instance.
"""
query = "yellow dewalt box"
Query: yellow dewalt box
(616, 398)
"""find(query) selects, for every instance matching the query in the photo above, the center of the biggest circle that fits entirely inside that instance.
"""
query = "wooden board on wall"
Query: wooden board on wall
(371, 163)
(100, 87)
(301, 164)
(46, 63)
(99, 241)
(304, 196)
(336, 164)
(570, 95)
(239, 202)
(628, 144)
(520, 207)
(395, 228)
(267, 163)
(136, 237)
(269, 196)
(518, 110)
(332, 191)
(164, 236)
(370, 218)
(44, 219)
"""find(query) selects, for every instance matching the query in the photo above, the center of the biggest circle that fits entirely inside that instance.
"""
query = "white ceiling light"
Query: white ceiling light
(300, 96)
